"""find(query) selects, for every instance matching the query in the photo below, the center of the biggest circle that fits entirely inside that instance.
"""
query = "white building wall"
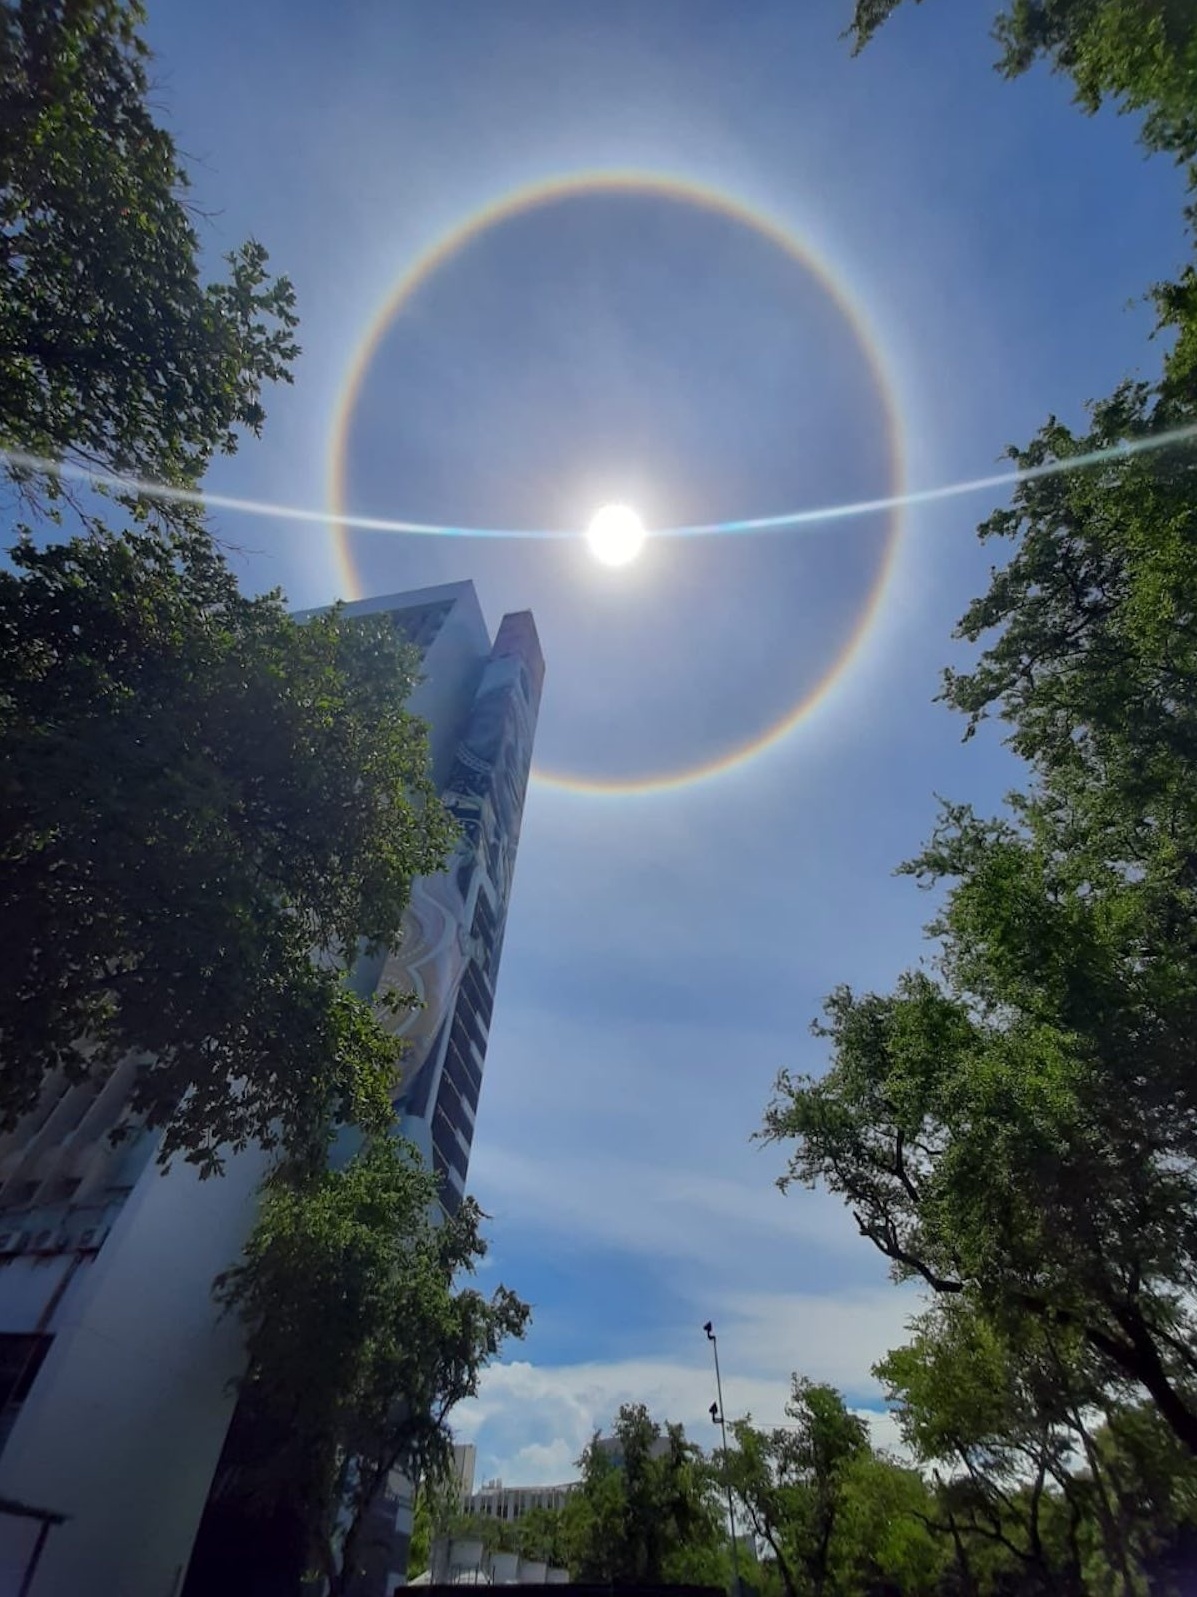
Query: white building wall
(512, 1502)
(124, 1424)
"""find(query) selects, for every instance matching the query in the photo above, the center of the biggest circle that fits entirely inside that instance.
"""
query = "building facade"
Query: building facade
(493, 1500)
(115, 1368)
(453, 932)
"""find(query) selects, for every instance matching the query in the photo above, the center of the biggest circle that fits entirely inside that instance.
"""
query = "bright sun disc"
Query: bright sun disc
(615, 535)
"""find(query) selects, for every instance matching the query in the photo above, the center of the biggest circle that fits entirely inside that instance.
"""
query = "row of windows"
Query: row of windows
(475, 1004)
(512, 1506)
(451, 1117)
(485, 926)
(464, 1075)
(450, 1194)
(446, 1123)
(469, 1032)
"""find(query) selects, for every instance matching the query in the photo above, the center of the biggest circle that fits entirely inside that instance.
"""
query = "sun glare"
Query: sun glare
(615, 535)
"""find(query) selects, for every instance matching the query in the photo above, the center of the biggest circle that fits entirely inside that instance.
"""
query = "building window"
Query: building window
(21, 1357)
(22, 1195)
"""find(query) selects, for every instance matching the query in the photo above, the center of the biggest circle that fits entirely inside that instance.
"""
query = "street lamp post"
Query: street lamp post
(717, 1414)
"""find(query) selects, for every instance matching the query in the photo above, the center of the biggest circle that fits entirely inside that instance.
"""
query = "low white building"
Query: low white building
(497, 1501)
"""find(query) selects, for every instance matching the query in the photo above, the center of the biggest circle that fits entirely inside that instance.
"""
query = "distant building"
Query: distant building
(496, 1501)
(465, 1462)
(609, 1446)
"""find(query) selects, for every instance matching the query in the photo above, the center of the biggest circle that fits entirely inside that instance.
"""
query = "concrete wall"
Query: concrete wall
(124, 1424)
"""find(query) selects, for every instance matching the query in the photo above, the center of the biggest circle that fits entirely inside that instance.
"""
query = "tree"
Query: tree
(886, 1543)
(789, 1481)
(423, 1532)
(360, 1340)
(1141, 1467)
(196, 793)
(540, 1534)
(1141, 54)
(650, 1514)
(113, 351)
(771, 1493)
(1016, 1129)
(1002, 1414)
(1064, 1488)
(996, 1157)
(827, 1437)
(593, 1519)
(1021, 1124)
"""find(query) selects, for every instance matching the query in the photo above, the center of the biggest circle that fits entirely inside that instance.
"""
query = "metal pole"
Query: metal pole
(731, 1512)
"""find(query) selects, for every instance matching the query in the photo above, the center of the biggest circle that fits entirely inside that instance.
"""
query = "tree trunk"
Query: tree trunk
(968, 1584)
(783, 1568)
(1110, 1529)
(1146, 1366)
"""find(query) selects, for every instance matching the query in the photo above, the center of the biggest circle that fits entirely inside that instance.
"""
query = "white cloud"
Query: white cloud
(830, 1337)
(532, 1421)
(883, 1426)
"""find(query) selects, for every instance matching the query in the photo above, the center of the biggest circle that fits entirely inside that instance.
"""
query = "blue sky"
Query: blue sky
(665, 953)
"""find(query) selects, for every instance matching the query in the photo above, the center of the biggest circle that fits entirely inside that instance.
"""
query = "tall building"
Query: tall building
(465, 1462)
(115, 1369)
(482, 713)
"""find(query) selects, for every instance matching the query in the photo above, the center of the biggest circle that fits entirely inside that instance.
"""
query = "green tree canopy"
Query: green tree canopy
(647, 1512)
(1041, 1471)
(1020, 1123)
(1141, 54)
(1013, 1125)
(1141, 57)
(886, 1542)
(789, 1481)
(361, 1338)
(113, 350)
(196, 794)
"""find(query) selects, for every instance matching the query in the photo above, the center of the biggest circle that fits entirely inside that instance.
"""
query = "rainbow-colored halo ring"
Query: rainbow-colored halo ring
(683, 191)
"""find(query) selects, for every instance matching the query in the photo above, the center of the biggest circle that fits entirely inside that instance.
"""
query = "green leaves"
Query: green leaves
(648, 1516)
(112, 349)
(1064, 1484)
(1021, 1125)
(361, 1338)
(834, 1515)
(197, 794)
(1014, 1125)
(1141, 54)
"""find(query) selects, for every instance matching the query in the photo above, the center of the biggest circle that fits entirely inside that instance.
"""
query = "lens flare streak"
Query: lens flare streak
(786, 521)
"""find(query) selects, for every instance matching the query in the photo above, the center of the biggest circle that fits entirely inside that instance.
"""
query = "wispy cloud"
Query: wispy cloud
(672, 1211)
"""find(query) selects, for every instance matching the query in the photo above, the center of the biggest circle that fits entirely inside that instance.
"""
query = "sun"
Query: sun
(615, 535)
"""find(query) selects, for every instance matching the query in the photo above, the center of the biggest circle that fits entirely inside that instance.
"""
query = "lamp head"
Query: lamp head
(709, 1329)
